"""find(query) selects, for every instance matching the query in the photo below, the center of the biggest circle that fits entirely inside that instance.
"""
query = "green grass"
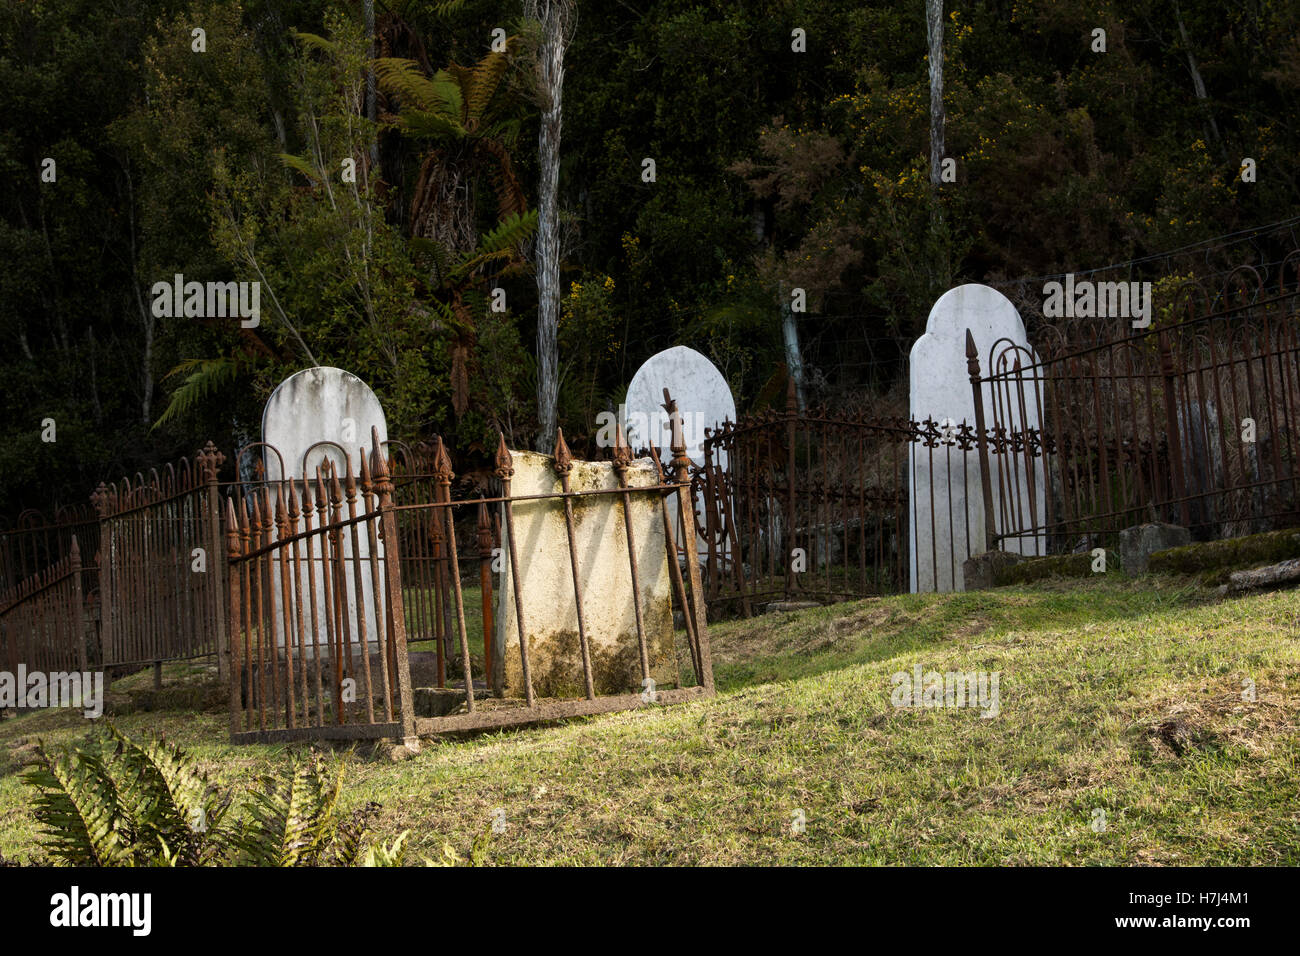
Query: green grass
(421, 611)
(1114, 696)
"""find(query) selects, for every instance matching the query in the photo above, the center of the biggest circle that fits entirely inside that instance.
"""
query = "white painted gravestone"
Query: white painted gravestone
(703, 399)
(947, 519)
(546, 582)
(316, 415)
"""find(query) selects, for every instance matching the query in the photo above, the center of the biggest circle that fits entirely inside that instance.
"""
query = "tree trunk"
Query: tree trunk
(556, 17)
(1198, 82)
(370, 78)
(934, 32)
(793, 357)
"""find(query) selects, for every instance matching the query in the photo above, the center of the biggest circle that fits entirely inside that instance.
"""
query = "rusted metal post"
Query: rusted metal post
(102, 501)
(210, 461)
(439, 618)
(686, 506)
(247, 573)
(232, 638)
(286, 606)
(563, 466)
(1167, 372)
(332, 626)
(393, 576)
(308, 509)
(358, 588)
(986, 480)
(622, 459)
(504, 472)
(76, 608)
(674, 567)
(711, 520)
(443, 475)
(381, 633)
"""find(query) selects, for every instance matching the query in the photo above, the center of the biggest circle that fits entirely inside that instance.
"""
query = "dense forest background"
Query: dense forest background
(774, 169)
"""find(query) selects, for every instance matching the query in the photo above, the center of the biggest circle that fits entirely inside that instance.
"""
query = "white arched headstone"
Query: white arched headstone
(318, 414)
(948, 497)
(318, 405)
(703, 399)
(702, 395)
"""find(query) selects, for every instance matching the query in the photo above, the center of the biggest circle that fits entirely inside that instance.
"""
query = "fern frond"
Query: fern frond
(77, 803)
(315, 41)
(501, 243)
(172, 804)
(485, 79)
(439, 94)
(346, 849)
(424, 125)
(433, 255)
(291, 824)
(509, 190)
(301, 165)
(203, 377)
(388, 854)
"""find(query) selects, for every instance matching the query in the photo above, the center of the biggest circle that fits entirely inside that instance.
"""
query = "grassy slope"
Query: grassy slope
(1090, 674)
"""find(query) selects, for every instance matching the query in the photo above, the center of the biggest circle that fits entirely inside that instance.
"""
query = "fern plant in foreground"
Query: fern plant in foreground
(113, 802)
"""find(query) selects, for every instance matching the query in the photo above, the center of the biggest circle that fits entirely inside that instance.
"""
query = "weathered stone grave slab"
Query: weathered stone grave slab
(940, 390)
(316, 415)
(546, 583)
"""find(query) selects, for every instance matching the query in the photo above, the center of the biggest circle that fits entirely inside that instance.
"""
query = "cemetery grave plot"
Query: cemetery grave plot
(336, 562)
(611, 648)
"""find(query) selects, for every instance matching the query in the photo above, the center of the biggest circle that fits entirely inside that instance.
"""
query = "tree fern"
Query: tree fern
(440, 94)
(301, 165)
(315, 42)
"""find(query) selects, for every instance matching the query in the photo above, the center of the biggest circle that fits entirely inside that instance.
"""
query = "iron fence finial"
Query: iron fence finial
(563, 457)
(504, 463)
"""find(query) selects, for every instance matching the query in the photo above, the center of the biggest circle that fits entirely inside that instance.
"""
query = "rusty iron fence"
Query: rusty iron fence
(425, 564)
(36, 542)
(161, 575)
(322, 609)
(43, 625)
(1193, 421)
(818, 506)
(317, 642)
(320, 599)
(426, 561)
